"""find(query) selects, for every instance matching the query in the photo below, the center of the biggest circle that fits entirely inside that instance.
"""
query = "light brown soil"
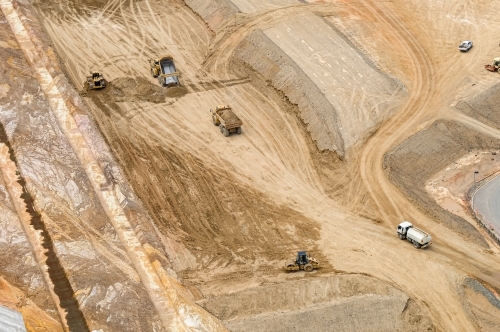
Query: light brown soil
(483, 107)
(231, 210)
(365, 303)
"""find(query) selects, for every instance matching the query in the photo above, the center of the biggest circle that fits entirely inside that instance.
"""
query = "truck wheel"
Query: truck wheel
(214, 121)
(225, 132)
(416, 244)
(221, 128)
(308, 268)
(401, 236)
(153, 73)
(238, 130)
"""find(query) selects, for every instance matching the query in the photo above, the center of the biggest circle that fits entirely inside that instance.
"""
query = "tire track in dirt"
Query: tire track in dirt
(385, 196)
(186, 137)
(173, 310)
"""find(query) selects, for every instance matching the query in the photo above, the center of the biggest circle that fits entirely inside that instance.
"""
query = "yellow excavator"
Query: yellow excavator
(493, 66)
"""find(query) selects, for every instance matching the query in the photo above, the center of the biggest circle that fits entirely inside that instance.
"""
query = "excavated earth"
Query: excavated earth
(125, 209)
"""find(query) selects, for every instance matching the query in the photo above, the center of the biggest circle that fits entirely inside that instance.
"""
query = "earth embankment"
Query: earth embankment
(214, 13)
(342, 96)
(485, 107)
(319, 304)
(417, 159)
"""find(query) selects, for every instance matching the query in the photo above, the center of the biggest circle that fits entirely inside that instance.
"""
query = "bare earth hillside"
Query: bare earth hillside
(126, 209)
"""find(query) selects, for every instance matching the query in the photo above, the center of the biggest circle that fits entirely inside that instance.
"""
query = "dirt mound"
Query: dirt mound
(229, 116)
(348, 302)
(128, 89)
(131, 89)
(421, 156)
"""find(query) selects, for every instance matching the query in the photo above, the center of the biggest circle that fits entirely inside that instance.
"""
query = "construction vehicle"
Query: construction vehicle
(164, 69)
(224, 117)
(302, 262)
(96, 81)
(493, 66)
(418, 237)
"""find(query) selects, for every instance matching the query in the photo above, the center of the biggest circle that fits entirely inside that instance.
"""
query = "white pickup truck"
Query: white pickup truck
(418, 237)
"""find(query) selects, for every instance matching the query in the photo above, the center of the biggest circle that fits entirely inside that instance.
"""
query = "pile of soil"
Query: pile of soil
(127, 89)
(131, 89)
(229, 116)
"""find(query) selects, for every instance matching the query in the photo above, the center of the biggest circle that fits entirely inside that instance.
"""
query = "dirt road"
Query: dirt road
(231, 210)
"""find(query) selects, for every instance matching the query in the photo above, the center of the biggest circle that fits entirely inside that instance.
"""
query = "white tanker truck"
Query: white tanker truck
(418, 237)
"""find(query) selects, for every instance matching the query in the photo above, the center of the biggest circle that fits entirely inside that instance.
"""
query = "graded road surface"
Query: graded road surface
(487, 202)
(233, 209)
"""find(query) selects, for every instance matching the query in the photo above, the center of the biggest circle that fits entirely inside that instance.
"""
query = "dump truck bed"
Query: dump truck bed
(229, 119)
(168, 71)
(167, 66)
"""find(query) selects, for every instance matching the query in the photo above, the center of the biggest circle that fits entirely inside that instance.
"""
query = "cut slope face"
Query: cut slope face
(340, 303)
(484, 107)
(217, 13)
(342, 96)
(214, 13)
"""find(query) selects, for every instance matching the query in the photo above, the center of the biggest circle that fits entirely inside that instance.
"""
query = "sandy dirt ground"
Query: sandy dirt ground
(232, 210)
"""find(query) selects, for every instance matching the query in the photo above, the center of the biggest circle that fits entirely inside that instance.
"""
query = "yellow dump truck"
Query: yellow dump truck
(228, 122)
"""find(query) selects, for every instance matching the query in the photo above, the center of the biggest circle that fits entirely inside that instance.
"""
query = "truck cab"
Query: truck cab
(302, 258)
(419, 238)
(403, 227)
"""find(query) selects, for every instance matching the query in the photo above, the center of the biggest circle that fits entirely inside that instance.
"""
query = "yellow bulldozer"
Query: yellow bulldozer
(96, 81)
(302, 262)
(164, 69)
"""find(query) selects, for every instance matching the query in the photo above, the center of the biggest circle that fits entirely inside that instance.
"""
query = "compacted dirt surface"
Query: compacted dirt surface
(126, 209)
